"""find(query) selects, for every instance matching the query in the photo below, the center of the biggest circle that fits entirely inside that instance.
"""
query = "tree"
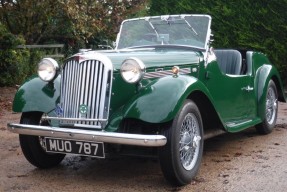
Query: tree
(236, 24)
(33, 19)
(11, 61)
(90, 19)
(42, 20)
(76, 23)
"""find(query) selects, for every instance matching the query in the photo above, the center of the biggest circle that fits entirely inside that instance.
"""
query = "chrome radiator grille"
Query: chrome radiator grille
(85, 93)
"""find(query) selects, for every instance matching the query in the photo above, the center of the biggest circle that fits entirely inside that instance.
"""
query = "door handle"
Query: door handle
(248, 88)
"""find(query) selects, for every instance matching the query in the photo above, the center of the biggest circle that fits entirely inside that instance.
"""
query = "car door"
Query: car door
(233, 95)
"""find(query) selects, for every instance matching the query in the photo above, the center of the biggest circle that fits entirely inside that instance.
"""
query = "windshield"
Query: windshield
(183, 30)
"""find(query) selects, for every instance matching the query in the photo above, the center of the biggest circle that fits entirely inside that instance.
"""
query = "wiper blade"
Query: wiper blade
(153, 27)
(190, 26)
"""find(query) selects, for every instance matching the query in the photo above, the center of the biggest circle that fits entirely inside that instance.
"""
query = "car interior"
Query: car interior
(229, 61)
(234, 62)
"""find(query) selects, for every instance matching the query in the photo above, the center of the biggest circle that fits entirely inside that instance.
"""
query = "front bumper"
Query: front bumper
(89, 135)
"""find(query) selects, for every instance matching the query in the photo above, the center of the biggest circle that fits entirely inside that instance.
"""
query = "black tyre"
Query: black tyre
(180, 158)
(33, 146)
(271, 110)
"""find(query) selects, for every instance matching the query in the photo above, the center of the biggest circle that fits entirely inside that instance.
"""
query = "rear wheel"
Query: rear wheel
(33, 147)
(180, 158)
(271, 110)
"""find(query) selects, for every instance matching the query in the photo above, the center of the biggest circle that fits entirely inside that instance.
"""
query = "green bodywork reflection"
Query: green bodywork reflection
(162, 99)
(37, 95)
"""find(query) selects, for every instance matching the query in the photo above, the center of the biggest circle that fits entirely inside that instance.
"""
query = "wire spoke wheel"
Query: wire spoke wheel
(180, 158)
(271, 110)
(189, 141)
(271, 105)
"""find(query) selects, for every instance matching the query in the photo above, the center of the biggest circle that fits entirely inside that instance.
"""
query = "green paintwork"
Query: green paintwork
(115, 120)
(158, 100)
(121, 92)
(236, 107)
(155, 103)
(155, 58)
(232, 103)
(37, 95)
(264, 72)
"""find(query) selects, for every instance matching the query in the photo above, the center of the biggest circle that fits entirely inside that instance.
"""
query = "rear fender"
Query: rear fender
(263, 75)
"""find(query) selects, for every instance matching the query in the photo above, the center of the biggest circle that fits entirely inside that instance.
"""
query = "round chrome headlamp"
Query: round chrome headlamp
(132, 70)
(47, 69)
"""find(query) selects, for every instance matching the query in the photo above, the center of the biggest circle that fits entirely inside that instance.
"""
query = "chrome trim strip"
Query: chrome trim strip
(234, 124)
(87, 126)
(89, 135)
(72, 119)
(157, 74)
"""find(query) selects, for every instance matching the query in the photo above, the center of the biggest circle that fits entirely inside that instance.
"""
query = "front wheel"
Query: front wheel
(33, 147)
(180, 158)
(271, 110)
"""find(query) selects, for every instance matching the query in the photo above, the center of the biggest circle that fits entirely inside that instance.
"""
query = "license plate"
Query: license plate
(86, 148)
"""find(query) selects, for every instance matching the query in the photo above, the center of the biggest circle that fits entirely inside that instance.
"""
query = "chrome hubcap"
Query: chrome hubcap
(271, 106)
(189, 141)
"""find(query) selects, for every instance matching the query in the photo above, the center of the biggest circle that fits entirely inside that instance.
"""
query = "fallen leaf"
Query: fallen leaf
(237, 154)
(276, 144)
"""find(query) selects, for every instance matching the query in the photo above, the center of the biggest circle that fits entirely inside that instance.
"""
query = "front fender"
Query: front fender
(161, 100)
(263, 75)
(37, 95)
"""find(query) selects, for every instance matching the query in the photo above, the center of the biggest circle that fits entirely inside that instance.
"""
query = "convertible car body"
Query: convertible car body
(159, 93)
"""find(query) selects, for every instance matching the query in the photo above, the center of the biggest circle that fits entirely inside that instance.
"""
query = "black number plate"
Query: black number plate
(93, 149)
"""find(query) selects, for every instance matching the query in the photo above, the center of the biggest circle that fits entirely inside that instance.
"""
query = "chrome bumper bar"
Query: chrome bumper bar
(88, 135)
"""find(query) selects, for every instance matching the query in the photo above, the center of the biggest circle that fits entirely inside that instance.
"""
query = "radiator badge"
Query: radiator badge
(83, 110)
(59, 110)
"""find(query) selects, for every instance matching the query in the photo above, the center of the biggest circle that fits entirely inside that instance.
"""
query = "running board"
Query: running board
(212, 133)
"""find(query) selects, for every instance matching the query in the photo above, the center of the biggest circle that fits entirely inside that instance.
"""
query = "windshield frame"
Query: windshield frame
(207, 39)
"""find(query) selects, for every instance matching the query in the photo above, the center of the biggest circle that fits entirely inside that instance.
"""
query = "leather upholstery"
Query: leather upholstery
(229, 61)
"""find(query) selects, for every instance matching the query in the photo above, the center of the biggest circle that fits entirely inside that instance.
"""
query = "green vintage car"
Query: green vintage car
(159, 93)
